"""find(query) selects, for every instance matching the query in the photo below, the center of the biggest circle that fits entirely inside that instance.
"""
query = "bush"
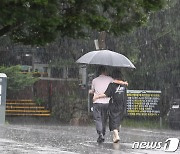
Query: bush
(15, 79)
(68, 104)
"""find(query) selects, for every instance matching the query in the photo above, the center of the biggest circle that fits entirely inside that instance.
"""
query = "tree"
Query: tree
(155, 52)
(15, 79)
(38, 22)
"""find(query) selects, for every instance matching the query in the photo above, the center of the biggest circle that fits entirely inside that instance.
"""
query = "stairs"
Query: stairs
(25, 108)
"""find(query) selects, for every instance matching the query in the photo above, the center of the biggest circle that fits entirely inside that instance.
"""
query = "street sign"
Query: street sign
(143, 103)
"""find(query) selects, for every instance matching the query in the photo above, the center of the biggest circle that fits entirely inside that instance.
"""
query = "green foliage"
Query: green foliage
(155, 52)
(68, 104)
(159, 58)
(15, 79)
(144, 123)
(30, 22)
(38, 22)
(39, 101)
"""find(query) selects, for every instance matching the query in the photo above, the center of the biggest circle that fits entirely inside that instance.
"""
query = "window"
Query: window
(57, 72)
(73, 72)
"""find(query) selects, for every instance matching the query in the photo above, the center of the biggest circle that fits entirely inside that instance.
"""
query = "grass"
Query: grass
(144, 123)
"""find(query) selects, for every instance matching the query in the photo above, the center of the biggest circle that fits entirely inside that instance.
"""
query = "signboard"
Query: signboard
(143, 102)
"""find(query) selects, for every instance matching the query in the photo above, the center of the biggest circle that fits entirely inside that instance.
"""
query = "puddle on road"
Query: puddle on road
(13, 147)
(114, 147)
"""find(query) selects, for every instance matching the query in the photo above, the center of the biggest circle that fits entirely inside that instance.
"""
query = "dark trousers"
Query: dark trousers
(100, 113)
(115, 116)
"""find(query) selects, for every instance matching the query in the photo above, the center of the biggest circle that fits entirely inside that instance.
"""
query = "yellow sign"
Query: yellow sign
(143, 103)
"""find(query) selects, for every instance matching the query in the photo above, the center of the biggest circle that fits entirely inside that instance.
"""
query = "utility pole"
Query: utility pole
(100, 43)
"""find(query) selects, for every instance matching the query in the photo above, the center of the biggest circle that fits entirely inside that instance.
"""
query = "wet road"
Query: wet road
(56, 139)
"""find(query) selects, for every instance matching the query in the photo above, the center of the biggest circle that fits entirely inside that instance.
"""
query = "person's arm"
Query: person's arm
(99, 96)
(107, 93)
(121, 82)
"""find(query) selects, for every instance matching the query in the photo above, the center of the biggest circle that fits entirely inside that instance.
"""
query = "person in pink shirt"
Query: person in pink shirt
(100, 106)
(117, 104)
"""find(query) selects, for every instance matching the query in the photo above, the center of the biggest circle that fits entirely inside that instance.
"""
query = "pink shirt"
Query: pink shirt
(99, 86)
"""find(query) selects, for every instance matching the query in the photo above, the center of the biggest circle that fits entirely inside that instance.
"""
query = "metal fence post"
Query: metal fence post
(3, 87)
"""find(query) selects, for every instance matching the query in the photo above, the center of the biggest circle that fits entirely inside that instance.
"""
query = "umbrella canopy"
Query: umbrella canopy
(105, 57)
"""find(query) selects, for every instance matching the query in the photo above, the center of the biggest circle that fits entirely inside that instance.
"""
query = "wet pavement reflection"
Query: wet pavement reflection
(55, 139)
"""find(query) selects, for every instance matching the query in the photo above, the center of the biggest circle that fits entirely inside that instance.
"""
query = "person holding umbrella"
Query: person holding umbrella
(100, 84)
(100, 104)
(117, 106)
